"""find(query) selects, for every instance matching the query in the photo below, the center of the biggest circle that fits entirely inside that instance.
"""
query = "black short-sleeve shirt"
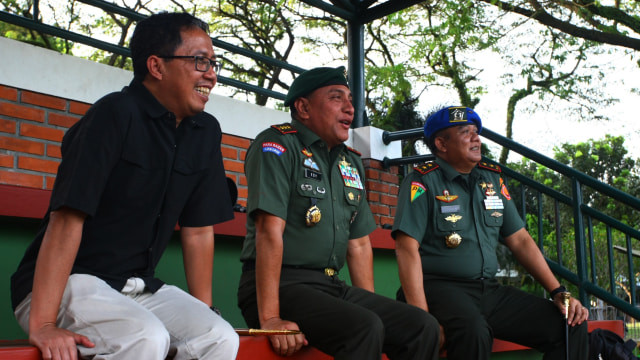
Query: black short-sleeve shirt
(135, 174)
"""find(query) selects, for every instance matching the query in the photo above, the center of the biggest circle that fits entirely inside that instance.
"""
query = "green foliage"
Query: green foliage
(605, 160)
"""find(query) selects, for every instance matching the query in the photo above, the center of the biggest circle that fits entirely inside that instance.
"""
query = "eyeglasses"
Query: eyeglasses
(203, 64)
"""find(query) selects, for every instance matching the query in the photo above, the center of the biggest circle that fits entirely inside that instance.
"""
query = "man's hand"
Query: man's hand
(284, 345)
(577, 313)
(56, 343)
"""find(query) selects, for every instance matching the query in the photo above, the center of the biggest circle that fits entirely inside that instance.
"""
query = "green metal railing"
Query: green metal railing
(584, 221)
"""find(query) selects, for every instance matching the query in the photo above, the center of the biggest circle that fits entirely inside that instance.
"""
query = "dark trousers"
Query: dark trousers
(474, 312)
(346, 322)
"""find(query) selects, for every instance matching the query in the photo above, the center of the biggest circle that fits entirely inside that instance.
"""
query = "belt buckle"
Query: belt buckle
(329, 271)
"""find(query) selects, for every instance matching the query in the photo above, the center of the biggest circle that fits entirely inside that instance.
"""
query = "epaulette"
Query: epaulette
(285, 128)
(426, 167)
(492, 167)
(354, 151)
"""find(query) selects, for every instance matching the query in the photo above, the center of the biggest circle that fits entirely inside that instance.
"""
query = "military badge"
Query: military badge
(350, 175)
(446, 197)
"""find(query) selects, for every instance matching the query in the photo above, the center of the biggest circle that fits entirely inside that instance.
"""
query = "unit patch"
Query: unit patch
(417, 189)
(273, 148)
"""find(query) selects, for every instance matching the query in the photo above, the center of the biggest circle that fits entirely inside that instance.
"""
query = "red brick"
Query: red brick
(393, 212)
(78, 107)
(49, 182)
(20, 179)
(393, 170)
(242, 202)
(394, 190)
(372, 174)
(236, 166)
(374, 164)
(29, 163)
(389, 200)
(62, 120)
(22, 112)
(21, 145)
(8, 93)
(53, 151)
(379, 209)
(385, 220)
(243, 155)
(47, 101)
(229, 153)
(373, 197)
(243, 181)
(7, 126)
(235, 141)
(6, 161)
(41, 132)
(389, 178)
(243, 193)
(376, 186)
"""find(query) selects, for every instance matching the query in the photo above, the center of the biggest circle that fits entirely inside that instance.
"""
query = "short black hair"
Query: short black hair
(159, 34)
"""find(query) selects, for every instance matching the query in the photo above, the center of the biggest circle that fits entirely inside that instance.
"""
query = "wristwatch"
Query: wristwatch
(558, 290)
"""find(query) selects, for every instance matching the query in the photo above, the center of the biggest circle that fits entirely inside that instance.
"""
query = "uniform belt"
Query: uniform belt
(250, 265)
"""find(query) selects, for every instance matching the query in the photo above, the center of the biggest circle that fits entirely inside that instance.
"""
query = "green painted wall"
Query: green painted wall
(16, 234)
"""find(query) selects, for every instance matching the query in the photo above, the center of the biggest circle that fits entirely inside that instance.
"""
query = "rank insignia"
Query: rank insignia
(446, 197)
(426, 168)
(285, 128)
(350, 175)
(273, 148)
(417, 189)
(504, 191)
(453, 218)
(492, 167)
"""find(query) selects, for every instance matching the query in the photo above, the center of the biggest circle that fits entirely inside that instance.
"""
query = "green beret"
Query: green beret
(313, 79)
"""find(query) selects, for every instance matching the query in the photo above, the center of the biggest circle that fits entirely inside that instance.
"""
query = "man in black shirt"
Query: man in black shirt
(140, 161)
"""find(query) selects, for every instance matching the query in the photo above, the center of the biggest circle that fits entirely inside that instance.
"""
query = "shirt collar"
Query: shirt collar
(154, 108)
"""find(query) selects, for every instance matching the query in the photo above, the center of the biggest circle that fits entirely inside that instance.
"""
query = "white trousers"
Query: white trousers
(135, 324)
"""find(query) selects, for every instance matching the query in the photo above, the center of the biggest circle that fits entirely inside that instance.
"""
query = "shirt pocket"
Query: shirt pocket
(493, 218)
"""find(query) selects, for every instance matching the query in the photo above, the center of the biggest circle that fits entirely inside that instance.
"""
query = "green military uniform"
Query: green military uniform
(458, 220)
(293, 175)
(320, 193)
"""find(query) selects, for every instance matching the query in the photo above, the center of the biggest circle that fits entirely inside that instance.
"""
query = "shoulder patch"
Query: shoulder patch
(285, 128)
(354, 151)
(492, 167)
(426, 167)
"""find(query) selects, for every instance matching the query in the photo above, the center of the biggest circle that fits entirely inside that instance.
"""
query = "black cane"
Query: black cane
(565, 300)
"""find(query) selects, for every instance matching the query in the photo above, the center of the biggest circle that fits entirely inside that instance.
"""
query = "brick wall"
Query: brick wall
(32, 126)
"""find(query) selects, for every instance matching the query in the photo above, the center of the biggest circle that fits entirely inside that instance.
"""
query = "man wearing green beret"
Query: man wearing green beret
(307, 216)
(451, 214)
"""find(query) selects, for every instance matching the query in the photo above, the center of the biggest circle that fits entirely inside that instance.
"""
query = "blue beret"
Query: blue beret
(313, 79)
(451, 116)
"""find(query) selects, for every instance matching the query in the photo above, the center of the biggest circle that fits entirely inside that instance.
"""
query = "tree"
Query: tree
(605, 160)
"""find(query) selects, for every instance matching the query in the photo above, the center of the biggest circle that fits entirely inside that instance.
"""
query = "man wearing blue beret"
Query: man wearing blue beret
(451, 214)
(308, 216)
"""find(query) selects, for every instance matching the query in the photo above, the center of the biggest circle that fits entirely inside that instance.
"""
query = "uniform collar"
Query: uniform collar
(154, 108)
(308, 137)
(449, 172)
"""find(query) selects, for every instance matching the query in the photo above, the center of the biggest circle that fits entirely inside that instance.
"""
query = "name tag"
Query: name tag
(446, 209)
(310, 174)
